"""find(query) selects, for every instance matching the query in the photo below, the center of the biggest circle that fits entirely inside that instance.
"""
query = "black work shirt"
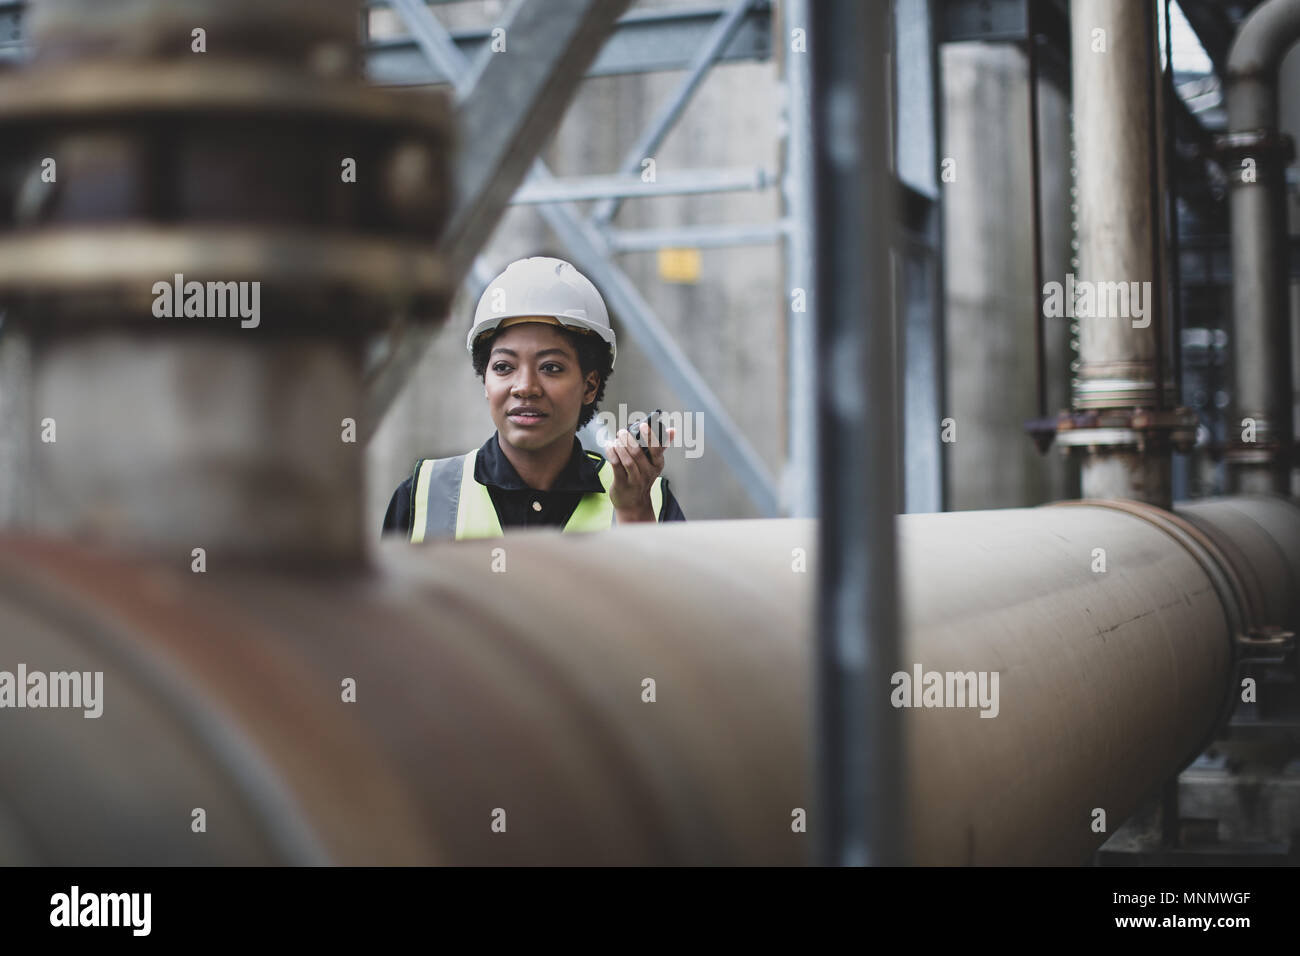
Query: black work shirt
(519, 506)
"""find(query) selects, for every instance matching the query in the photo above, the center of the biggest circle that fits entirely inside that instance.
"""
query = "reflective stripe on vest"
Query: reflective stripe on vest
(448, 502)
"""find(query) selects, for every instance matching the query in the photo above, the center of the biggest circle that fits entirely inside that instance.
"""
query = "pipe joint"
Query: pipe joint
(1139, 429)
(264, 169)
(1267, 645)
(1254, 453)
(1255, 156)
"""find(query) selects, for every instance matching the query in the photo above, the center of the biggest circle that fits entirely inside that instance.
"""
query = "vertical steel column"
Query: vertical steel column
(799, 485)
(920, 301)
(858, 747)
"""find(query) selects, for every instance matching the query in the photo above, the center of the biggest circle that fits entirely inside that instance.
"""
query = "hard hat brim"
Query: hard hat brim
(571, 323)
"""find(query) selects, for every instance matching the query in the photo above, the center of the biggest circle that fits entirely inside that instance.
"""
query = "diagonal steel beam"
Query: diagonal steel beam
(507, 106)
(434, 45)
(1214, 27)
(509, 112)
(590, 252)
(719, 36)
(508, 103)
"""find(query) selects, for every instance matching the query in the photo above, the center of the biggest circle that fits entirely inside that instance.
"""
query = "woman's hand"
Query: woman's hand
(635, 470)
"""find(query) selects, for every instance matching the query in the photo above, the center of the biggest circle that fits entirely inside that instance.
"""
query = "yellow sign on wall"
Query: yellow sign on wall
(679, 265)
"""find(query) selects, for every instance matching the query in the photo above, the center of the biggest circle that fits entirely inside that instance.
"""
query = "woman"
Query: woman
(542, 344)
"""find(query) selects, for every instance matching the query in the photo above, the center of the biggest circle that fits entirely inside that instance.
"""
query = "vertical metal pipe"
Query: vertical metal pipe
(1120, 241)
(857, 731)
(1166, 204)
(205, 441)
(1261, 340)
(1156, 193)
(1257, 51)
(1111, 58)
(1036, 205)
(1289, 79)
(1175, 236)
(1262, 423)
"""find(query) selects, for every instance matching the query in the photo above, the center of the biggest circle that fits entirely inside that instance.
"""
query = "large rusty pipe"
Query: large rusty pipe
(511, 676)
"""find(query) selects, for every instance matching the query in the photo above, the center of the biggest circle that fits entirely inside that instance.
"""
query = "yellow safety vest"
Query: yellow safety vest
(447, 502)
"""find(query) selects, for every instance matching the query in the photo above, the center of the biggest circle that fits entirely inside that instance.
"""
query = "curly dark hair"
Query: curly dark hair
(593, 356)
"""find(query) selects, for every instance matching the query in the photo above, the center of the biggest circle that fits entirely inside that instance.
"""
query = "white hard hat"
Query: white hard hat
(542, 289)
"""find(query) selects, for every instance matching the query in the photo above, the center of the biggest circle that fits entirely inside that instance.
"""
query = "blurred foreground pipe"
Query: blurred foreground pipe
(197, 244)
(859, 794)
(524, 690)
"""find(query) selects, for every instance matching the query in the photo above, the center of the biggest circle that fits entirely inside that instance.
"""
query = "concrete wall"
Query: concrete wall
(991, 303)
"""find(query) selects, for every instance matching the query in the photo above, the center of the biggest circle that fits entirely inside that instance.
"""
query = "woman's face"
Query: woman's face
(535, 387)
